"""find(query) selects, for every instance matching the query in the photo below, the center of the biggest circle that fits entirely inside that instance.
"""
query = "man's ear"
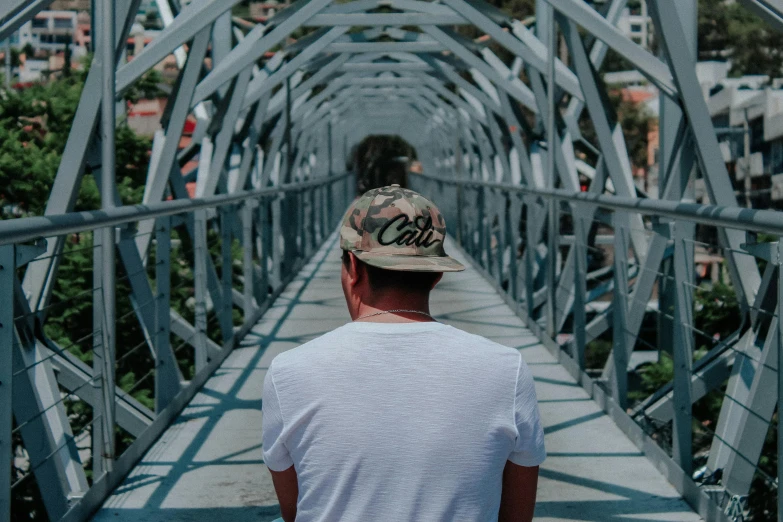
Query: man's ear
(355, 270)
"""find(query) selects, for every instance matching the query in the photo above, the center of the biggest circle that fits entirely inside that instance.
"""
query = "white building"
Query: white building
(635, 23)
(23, 36)
(747, 107)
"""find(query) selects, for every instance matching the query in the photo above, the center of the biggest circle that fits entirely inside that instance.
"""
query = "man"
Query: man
(395, 416)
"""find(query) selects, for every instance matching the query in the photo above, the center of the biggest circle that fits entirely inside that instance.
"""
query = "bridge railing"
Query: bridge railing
(84, 390)
(681, 358)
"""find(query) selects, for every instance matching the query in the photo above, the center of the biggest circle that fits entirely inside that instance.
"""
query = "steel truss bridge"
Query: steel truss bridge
(215, 284)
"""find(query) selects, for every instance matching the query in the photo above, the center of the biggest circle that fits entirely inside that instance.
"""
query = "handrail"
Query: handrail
(766, 221)
(30, 228)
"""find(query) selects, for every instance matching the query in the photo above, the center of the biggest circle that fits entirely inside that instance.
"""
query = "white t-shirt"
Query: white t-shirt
(400, 422)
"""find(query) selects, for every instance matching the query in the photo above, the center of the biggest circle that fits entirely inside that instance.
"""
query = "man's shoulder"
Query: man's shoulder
(483, 344)
(307, 352)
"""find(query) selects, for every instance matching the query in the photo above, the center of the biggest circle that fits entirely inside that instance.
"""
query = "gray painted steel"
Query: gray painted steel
(7, 267)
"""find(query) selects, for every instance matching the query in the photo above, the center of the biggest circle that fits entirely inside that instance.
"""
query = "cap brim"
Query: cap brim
(406, 263)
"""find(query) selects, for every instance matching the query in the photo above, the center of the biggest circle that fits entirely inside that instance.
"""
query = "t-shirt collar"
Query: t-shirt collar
(414, 327)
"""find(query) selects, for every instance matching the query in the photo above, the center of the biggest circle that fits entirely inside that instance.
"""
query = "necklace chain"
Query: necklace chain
(393, 311)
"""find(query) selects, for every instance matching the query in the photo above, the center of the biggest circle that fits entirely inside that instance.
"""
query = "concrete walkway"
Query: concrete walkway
(209, 465)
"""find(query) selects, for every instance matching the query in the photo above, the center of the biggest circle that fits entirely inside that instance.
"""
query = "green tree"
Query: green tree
(714, 19)
(756, 46)
(634, 119)
(728, 30)
(34, 127)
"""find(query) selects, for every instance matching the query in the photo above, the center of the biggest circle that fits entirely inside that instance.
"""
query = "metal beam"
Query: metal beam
(256, 43)
(383, 19)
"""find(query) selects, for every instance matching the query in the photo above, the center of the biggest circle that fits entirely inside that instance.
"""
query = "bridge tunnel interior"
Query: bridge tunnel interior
(382, 160)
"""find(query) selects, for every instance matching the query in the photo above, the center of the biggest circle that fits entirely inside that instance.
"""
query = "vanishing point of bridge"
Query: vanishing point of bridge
(594, 281)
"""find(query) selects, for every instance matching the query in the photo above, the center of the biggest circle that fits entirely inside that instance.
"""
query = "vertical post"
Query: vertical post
(329, 147)
(552, 220)
(530, 257)
(323, 216)
(780, 373)
(329, 204)
(512, 243)
(683, 346)
(108, 326)
(167, 383)
(670, 117)
(500, 240)
(311, 204)
(459, 214)
(314, 218)
(746, 146)
(619, 379)
(104, 300)
(301, 242)
(580, 285)
(226, 269)
(98, 427)
(486, 229)
(247, 258)
(200, 283)
(263, 249)
(289, 155)
(7, 269)
(275, 238)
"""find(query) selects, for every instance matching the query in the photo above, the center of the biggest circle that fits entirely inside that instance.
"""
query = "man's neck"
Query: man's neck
(406, 310)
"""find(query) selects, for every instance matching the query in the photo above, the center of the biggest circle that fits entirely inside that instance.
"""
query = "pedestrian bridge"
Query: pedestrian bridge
(134, 337)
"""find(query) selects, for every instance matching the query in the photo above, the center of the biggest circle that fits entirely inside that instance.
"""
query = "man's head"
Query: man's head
(392, 241)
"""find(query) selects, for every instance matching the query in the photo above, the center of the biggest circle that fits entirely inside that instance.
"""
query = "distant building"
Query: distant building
(747, 113)
(23, 36)
(144, 116)
(634, 21)
(70, 5)
(52, 31)
(32, 71)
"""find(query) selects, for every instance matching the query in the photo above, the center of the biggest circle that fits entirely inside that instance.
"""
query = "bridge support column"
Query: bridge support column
(167, 382)
(682, 433)
(780, 373)
(226, 271)
(619, 378)
(7, 270)
(581, 229)
(200, 254)
(247, 259)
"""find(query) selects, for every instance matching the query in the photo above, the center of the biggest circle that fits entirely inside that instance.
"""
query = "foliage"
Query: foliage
(634, 119)
(756, 46)
(713, 21)
(730, 30)
(717, 311)
(34, 127)
(597, 352)
(146, 87)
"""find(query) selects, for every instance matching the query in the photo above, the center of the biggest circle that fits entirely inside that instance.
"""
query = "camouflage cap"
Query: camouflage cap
(397, 229)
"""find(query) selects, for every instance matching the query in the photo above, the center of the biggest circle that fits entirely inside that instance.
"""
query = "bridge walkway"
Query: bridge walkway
(208, 465)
